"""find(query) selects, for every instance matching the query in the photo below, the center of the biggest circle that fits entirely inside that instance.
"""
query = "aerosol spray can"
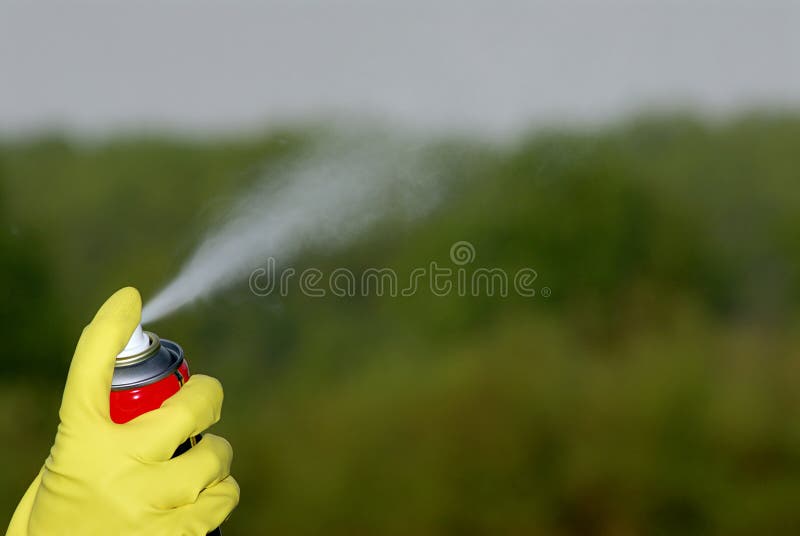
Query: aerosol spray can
(147, 372)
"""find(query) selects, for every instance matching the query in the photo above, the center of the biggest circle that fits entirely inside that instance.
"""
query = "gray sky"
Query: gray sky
(493, 66)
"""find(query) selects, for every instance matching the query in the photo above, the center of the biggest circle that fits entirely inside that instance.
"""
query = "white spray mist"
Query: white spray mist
(323, 199)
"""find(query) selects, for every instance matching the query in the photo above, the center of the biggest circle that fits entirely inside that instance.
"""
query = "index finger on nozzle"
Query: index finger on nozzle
(89, 379)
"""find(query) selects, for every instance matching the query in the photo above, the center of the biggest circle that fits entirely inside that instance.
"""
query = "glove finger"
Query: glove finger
(89, 380)
(212, 507)
(155, 435)
(182, 479)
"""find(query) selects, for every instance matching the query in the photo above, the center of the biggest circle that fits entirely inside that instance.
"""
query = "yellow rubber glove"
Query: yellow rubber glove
(103, 478)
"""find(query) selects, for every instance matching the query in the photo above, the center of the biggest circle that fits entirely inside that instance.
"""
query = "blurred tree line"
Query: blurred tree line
(654, 392)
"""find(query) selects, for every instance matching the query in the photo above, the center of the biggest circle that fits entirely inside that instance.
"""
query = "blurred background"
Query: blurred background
(641, 156)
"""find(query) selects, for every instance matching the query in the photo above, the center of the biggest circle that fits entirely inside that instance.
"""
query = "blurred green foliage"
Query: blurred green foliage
(655, 391)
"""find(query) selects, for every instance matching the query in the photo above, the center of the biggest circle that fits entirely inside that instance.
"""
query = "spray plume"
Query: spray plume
(323, 199)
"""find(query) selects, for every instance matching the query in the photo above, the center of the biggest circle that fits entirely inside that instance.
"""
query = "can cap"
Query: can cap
(137, 344)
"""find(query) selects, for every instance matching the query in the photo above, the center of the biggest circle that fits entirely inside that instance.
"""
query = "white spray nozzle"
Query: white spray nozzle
(137, 344)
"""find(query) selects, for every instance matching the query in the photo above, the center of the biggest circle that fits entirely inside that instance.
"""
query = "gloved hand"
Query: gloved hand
(103, 478)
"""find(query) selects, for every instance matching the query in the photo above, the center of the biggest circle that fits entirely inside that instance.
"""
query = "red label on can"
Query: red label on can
(129, 404)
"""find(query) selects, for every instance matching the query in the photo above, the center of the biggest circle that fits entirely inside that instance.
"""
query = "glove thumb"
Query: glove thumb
(89, 380)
